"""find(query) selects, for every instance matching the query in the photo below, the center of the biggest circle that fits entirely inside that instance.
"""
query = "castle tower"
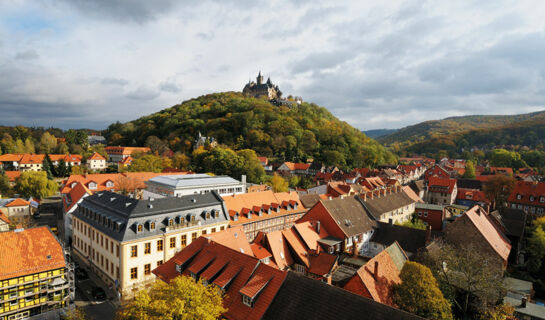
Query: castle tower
(259, 78)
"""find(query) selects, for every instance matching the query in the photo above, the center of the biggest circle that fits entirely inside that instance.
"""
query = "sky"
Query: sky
(373, 64)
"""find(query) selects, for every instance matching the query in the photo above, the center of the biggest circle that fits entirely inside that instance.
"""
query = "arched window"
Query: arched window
(152, 226)
(139, 228)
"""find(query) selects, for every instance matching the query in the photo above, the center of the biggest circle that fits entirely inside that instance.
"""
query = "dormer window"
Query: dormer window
(250, 214)
(542, 199)
(109, 184)
(152, 225)
(208, 215)
(247, 301)
(92, 185)
(192, 218)
(519, 196)
(170, 222)
(532, 198)
(139, 228)
(235, 217)
(73, 184)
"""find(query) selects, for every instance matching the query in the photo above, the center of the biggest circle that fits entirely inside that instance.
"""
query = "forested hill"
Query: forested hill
(455, 125)
(377, 133)
(286, 133)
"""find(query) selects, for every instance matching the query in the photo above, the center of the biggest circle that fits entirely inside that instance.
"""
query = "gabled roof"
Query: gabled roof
(32, 159)
(297, 246)
(18, 203)
(74, 196)
(241, 274)
(300, 297)
(4, 218)
(380, 282)
(472, 195)
(297, 166)
(12, 175)
(72, 158)
(322, 263)
(307, 232)
(309, 200)
(233, 238)
(378, 205)
(10, 157)
(490, 233)
(96, 156)
(409, 192)
(349, 215)
(29, 251)
(276, 243)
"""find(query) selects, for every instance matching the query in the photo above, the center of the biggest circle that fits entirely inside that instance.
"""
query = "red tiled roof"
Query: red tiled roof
(255, 285)
(200, 262)
(530, 193)
(297, 166)
(29, 251)
(126, 161)
(297, 246)
(409, 191)
(307, 232)
(259, 251)
(10, 157)
(322, 263)
(18, 203)
(275, 242)
(233, 238)
(263, 160)
(74, 196)
(434, 182)
(471, 194)
(125, 150)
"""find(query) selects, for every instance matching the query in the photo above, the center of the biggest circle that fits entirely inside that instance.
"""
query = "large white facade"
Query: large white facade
(199, 183)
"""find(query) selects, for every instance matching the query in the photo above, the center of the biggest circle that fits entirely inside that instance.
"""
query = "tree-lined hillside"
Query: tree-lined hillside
(288, 133)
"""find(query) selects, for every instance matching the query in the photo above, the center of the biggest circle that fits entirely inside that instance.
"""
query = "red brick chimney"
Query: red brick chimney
(376, 271)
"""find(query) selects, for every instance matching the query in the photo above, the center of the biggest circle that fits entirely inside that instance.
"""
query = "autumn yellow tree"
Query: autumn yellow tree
(278, 184)
(419, 293)
(35, 184)
(182, 298)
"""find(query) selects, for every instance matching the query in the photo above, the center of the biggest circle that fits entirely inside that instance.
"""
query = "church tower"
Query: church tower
(259, 78)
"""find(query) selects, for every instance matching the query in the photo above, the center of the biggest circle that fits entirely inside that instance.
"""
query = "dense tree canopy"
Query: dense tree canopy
(35, 184)
(182, 298)
(224, 161)
(287, 133)
(419, 293)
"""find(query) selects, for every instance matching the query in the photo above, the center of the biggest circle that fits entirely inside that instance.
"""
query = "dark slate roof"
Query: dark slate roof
(349, 215)
(514, 221)
(469, 184)
(309, 200)
(127, 213)
(383, 204)
(300, 297)
(409, 239)
(418, 185)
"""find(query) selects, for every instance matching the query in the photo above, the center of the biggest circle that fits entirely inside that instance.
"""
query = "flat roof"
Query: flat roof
(192, 180)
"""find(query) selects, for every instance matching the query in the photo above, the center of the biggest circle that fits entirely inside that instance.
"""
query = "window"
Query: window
(117, 251)
(425, 214)
(107, 244)
(247, 301)
(147, 269)
(213, 230)
(173, 242)
(152, 226)
(193, 236)
(222, 228)
(134, 273)
(184, 240)
(160, 262)
(170, 222)
(134, 251)
(139, 228)
(519, 196)
(159, 245)
(204, 231)
(208, 215)
(147, 248)
(542, 199)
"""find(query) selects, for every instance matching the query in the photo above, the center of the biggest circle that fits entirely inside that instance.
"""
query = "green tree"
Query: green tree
(47, 167)
(536, 246)
(62, 148)
(48, 143)
(35, 184)
(469, 170)
(29, 146)
(147, 163)
(414, 223)
(419, 293)
(19, 146)
(294, 181)
(251, 166)
(182, 298)
(278, 184)
(5, 188)
(76, 313)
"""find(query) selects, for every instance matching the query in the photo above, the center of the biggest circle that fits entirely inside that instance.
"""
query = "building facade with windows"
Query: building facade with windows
(528, 196)
(35, 278)
(197, 183)
(122, 239)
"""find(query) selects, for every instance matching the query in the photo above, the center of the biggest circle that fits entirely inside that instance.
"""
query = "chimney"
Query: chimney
(390, 221)
(365, 196)
(318, 227)
(523, 301)
(428, 234)
(376, 271)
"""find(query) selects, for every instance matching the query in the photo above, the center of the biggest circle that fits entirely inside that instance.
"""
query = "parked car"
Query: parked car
(81, 274)
(98, 293)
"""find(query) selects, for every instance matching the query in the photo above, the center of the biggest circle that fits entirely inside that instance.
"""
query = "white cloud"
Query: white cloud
(374, 65)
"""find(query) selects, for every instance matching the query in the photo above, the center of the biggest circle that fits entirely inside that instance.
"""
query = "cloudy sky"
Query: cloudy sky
(374, 64)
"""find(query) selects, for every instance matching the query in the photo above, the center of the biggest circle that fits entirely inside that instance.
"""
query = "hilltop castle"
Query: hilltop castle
(260, 89)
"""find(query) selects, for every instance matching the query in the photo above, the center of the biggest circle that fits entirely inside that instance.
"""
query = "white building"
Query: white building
(96, 162)
(188, 184)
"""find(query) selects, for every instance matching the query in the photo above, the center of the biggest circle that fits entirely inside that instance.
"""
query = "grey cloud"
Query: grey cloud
(27, 55)
(170, 87)
(114, 81)
(207, 36)
(143, 93)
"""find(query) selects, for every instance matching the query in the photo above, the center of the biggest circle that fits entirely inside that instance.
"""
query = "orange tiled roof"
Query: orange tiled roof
(4, 218)
(495, 238)
(259, 251)
(12, 175)
(307, 232)
(136, 180)
(75, 195)
(412, 194)
(126, 161)
(441, 182)
(32, 158)
(18, 203)
(10, 157)
(233, 238)
(279, 249)
(263, 160)
(297, 166)
(297, 246)
(96, 156)
(29, 251)
(322, 263)
(125, 150)
(243, 203)
(530, 193)
(72, 158)
(471, 194)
